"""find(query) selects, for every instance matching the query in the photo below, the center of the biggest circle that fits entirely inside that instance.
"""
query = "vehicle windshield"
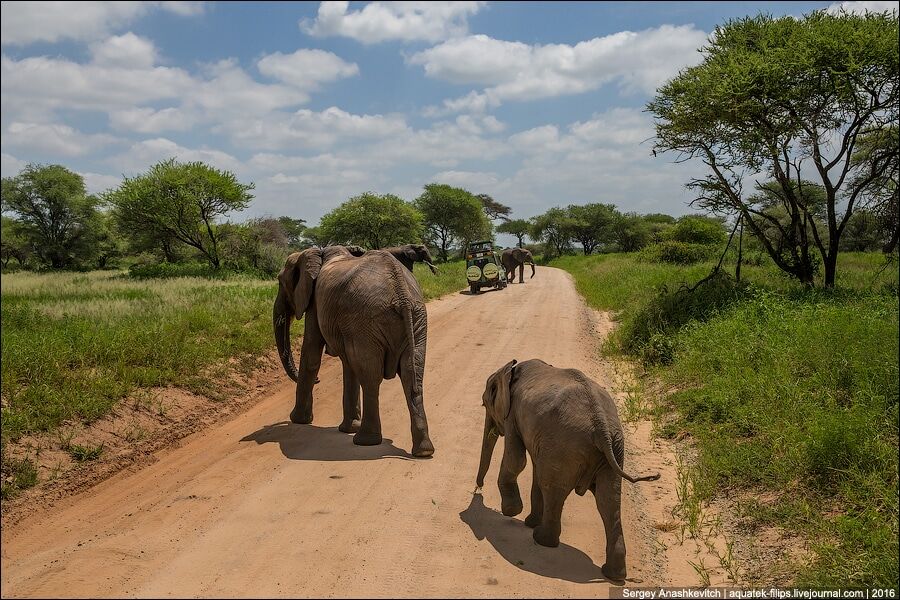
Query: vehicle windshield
(480, 247)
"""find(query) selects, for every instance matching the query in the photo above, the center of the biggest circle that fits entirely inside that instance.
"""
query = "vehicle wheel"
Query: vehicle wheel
(473, 288)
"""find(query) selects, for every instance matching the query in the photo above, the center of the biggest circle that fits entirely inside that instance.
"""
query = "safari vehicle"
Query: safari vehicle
(483, 267)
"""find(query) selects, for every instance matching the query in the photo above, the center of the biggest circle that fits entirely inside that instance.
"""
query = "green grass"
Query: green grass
(75, 344)
(785, 391)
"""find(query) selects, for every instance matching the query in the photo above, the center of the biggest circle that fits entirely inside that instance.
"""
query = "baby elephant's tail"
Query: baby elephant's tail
(602, 441)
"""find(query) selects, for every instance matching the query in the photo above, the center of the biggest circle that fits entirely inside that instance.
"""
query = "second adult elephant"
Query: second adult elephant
(517, 257)
(369, 312)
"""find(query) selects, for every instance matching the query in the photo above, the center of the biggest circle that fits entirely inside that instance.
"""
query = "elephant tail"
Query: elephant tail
(604, 443)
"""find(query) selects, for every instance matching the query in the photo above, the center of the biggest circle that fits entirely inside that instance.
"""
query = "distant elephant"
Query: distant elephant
(570, 427)
(368, 311)
(412, 253)
(517, 257)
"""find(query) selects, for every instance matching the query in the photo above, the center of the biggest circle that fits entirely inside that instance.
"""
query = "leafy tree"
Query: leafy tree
(372, 221)
(555, 229)
(657, 225)
(791, 98)
(493, 209)
(293, 229)
(632, 232)
(54, 212)
(13, 243)
(260, 244)
(517, 227)
(592, 224)
(863, 233)
(315, 236)
(180, 201)
(105, 242)
(881, 193)
(790, 237)
(451, 215)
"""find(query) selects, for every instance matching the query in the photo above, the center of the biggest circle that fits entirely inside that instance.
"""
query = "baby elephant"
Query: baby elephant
(570, 427)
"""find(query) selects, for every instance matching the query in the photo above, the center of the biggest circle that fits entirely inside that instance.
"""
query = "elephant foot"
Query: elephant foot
(511, 509)
(546, 537)
(614, 575)
(301, 417)
(533, 520)
(423, 448)
(349, 427)
(367, 438)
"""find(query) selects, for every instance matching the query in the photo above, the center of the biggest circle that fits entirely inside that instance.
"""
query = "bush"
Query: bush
(677, 253)
(166, 270)
(696, 230)
(644, 333)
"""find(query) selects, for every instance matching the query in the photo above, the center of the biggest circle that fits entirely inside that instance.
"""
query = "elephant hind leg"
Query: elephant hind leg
(421, 445)
(608, 494)
(351, 421)
(554, 497)
(512, 464)
(369, 433)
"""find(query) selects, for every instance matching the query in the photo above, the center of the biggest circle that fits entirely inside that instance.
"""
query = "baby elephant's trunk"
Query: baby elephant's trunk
(487, 449)
(602, 441)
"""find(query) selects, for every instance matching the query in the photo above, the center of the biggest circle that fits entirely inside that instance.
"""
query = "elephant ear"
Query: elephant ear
(497, 399)
(298, 277)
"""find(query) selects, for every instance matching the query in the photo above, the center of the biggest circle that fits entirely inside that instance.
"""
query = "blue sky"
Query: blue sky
(538, 104)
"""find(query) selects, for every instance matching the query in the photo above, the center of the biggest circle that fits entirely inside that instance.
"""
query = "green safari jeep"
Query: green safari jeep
(483, 267)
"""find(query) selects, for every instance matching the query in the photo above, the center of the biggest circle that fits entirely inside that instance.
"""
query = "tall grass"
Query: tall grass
(786, 391)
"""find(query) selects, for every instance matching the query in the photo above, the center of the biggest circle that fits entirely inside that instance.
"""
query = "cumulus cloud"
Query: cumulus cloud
(148, 152)
(306, 69)
(384, 21)
(10, 165)
(149, 120)
(53, 139)
(27, 22)
(126, 51)
(311, 129)
(515, 71)
(875, 6)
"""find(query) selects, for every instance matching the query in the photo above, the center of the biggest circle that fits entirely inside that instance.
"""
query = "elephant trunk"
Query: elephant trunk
(487, 449)
(431, 266)
(281, 322)
(532, 270)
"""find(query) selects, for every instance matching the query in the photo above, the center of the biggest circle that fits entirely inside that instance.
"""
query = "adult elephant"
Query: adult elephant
(517, 257)
(409, 254)
(368, 311)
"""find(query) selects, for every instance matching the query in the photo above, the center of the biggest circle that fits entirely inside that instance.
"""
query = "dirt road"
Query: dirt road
(258, 507)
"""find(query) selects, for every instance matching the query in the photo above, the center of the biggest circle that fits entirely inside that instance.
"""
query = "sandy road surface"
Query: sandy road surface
(259, 507)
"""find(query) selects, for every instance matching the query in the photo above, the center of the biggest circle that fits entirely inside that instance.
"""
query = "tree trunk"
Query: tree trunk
(830, 263)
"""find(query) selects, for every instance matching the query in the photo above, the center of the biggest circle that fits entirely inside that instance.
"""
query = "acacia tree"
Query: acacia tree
(371, 221)
(180, 201)
(54, 212)
(517, 227)
(554, 228)
(493, 209)
(788, 99)
(451, 215)
(592, 224)
(12, 243)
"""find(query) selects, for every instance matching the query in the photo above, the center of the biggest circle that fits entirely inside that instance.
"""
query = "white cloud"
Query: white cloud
(474, 181)
(27, 22)
(383, 21)
(310, 129)
(97, 183)
(140, 156)
(126, 51)
(305, 68)
(10, 165)
(53, 139)
(38, 85)
(149, 120)
(875, 6)
(635, 61)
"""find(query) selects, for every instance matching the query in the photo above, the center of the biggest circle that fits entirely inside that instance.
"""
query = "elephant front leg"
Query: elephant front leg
(537, 499)
(369, 433)
(512, 464)
(351, 422)
(608, 494)
(522, 273)
(310, 361)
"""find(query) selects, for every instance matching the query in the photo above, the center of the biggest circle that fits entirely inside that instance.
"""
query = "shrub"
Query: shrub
(668, 311)
(677, 253)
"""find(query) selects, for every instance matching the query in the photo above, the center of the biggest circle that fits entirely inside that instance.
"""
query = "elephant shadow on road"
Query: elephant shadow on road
(309, 442)
(512, 539)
